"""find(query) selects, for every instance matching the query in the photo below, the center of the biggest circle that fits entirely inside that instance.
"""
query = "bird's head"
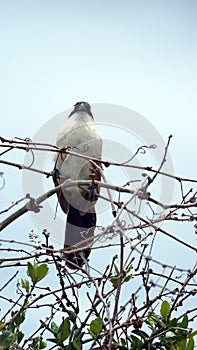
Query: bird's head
(81, 107)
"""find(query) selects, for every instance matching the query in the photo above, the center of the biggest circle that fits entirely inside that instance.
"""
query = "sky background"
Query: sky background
(137, 54)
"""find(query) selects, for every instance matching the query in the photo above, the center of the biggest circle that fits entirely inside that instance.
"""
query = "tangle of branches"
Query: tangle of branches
(138, 300)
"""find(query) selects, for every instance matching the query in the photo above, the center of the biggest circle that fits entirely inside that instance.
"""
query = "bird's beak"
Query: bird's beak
(82, 107)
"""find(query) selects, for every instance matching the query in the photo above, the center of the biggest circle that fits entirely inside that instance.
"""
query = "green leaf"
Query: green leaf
(137, 344)
(38, 344)
(43, 324)
(154, 322)
(78, 334)
(123, 342)
(6, 339)
(173, 323)
(43, 344)
(127, 277)
(114, 281)
(96, 326)
(77, 344)
(165, 309)
(41, 271)
(20, 336)
(129, 269)
(20, 318)
(193, 334)
(170, 334)
(24, 284)
(190, 345)
(116, 269)
(64, 330)
(31, 271)
(182, 345)
(184, 322)
(54, 328)
(72, 315)
(37, 272)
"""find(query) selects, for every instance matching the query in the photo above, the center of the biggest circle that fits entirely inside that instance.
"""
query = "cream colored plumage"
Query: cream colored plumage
(80, 134)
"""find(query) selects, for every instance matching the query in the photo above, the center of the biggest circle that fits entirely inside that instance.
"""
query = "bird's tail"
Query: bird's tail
(79, 235)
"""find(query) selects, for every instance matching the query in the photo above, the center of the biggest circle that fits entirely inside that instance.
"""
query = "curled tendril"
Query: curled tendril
(3, 180)
(111, 231)
(62, 153)
(141, 150)
(33, 157)
(27, 140)
(152, 146)
(85, 234)
(84, 148)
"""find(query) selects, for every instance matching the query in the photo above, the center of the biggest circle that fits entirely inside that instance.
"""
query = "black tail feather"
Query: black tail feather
(79, 234)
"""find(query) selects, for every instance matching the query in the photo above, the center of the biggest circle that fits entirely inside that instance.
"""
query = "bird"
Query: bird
(79, 135)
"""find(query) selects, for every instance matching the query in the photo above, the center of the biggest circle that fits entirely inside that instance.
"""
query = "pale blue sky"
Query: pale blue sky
(138, 54)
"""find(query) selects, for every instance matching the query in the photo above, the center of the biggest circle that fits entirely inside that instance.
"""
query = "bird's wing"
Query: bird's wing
(60, 195)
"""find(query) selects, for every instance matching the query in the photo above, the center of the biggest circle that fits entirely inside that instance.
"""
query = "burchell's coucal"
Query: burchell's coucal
(79, 134)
